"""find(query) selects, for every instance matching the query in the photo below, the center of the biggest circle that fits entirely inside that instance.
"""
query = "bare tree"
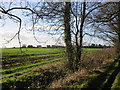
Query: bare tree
(7, 11)
(60, 14)
(51, 12)
(81, 13)
(107, 20)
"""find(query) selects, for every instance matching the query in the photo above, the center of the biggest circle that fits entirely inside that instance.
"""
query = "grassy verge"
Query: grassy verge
(116, 83)
(101, 79)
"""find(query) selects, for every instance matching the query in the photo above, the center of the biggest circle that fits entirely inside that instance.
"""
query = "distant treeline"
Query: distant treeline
(40, 46)
(57, 46)
(96, 46)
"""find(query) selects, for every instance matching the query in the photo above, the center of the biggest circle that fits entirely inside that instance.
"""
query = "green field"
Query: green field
(15, 63)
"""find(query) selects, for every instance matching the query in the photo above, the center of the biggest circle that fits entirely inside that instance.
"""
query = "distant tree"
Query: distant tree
(39, 46)
(24, 46)
(93, 45)
(30, 46)
(48, 46)
(99, 45)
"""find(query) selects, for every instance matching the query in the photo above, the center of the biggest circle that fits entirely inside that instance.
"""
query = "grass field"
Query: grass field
(15, 64)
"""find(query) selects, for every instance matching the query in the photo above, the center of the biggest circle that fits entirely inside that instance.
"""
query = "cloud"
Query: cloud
(45, 27)
(28, 38)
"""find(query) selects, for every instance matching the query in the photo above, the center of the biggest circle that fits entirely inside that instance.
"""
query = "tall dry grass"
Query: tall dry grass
(97, 59)
(90, 63)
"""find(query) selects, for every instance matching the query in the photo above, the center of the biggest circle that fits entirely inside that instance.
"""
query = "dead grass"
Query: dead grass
(47, 67)
(97, 59)
(91, 62)
(71, 77)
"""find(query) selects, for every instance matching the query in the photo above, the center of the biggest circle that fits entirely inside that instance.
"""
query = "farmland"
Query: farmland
(15, 63)
(38, 67)
(14, 58)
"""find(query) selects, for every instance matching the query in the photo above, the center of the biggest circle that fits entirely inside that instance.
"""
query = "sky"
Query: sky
(8, 29)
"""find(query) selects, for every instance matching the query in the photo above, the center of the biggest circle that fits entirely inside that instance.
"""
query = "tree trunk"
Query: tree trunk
(118, 32)
(77, 50)
(81, 30)
(77, 47)
(67, 33)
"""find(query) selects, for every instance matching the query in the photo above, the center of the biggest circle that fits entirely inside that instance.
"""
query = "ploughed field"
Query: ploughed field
(15, 63)
(17, 66)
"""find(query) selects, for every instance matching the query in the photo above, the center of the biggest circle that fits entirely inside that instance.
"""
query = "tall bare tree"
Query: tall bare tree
(52, 12)
(62, 14)
(107, 20)
(81, 13)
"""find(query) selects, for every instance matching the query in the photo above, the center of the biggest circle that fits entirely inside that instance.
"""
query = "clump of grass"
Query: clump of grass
(68, 79)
